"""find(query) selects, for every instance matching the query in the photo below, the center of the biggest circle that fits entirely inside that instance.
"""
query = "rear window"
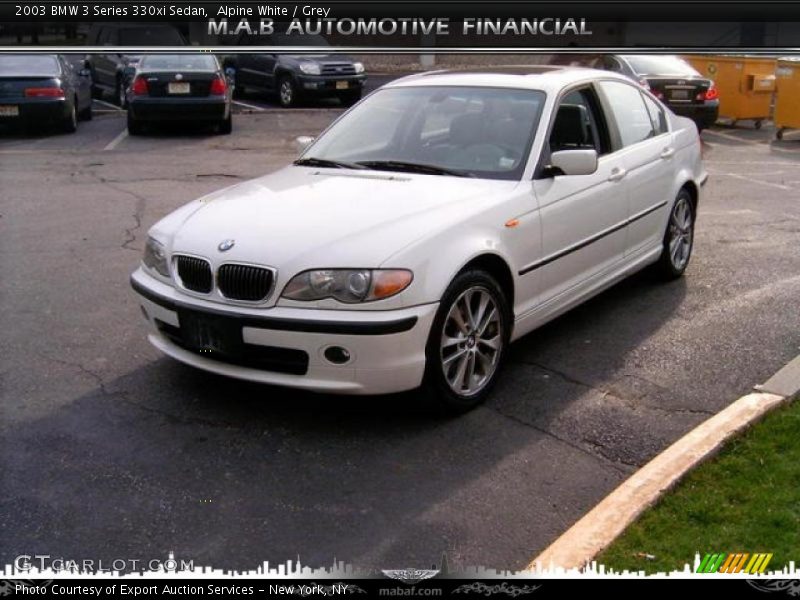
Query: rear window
(150, 36)
(660, 65)
(180, 62)
(28, 65)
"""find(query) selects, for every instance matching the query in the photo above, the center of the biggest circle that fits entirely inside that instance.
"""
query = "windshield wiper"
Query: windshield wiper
(311, 161)
(411, 167)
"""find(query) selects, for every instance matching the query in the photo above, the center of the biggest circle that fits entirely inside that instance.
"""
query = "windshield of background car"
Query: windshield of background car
(480, 131)
(179, 62)
(150, 36)
(12, 65)
(661, 65)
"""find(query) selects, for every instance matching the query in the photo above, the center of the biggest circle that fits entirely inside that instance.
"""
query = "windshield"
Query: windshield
(150, 36)
(660, 65)
(180, 62)
(28, 65)
(474, 131)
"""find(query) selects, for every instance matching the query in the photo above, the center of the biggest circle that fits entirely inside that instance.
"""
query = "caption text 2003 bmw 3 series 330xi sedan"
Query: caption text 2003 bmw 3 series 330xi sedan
(441, 218)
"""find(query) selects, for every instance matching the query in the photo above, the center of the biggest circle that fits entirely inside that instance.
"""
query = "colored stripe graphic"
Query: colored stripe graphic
(734, 563)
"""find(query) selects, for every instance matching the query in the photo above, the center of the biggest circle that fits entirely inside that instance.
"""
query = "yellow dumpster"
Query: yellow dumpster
(787, 99)
(745, 83)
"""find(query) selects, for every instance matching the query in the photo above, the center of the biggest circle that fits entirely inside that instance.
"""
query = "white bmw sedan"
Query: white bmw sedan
(440, 219)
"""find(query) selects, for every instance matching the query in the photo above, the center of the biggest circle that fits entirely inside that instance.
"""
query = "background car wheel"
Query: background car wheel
(119, 94)
(467, 343)
(350, 98)
(70, 122)
(134, 127)
(679, 237)
(86, 113)
(226, 126)
(287, 92)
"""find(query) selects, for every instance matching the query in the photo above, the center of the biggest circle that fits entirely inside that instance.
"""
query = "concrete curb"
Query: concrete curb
(606, 521)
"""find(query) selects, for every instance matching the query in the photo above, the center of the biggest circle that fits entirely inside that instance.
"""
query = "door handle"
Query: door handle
(617, 173)
(667, 152)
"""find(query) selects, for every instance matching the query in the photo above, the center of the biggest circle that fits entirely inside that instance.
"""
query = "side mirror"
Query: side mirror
(128, 73)
(230, 74)
(85, 72)
(572, 162)
(302, 142)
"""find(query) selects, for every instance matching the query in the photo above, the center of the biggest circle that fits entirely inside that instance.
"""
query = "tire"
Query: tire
(70, 122)
(779, 134)
(350, 98)
(287, 92)
(86, 113)
(680, 231)
(134, 126)
(225, 127)
(456, 385)
(119, 94)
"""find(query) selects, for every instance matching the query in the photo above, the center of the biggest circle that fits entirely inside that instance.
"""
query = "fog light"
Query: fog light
(337, 355)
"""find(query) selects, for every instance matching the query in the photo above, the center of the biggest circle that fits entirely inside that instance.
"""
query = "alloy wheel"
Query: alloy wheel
(471, 341)
(680, 233)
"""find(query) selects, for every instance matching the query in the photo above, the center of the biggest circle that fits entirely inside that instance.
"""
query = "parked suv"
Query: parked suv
(294, 77)
(111, 72)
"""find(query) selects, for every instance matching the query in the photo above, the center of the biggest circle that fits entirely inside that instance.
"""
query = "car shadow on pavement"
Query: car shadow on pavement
(229, 473)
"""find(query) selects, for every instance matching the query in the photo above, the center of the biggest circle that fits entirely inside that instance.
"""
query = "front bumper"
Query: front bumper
(286, 346)
(330, 84)
(209, 108)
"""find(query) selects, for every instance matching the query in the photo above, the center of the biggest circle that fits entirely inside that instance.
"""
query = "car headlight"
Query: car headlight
(310, 68)
(348, 285)
(155, 257)
(359, 67)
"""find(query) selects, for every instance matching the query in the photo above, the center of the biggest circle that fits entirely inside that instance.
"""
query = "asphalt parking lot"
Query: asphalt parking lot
(113, 451)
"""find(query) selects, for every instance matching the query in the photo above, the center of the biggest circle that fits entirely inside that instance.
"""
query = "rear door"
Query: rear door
(647, 156)
(583, 216)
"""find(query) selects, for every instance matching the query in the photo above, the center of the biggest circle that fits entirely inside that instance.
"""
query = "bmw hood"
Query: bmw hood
(302, 217)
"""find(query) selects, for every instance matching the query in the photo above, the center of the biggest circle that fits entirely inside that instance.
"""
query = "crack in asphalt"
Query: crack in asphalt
(138, 213)
(633, 404)
(603, 460)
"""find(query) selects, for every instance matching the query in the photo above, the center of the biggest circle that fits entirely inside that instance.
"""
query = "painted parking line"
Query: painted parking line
(104, 103)
(250, 106)
(117, 140)
(733, 138)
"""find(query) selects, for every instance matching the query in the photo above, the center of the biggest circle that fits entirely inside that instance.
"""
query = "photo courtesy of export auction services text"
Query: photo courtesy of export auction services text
(440, 26)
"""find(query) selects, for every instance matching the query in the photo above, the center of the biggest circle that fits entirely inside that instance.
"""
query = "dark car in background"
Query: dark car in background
(110, 71)
(189, 88)
(43, 89)
(293, 78)
(672, 80)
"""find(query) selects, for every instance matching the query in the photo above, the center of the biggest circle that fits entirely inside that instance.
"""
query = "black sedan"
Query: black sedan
(672, 80)
(43, 89)
(179, 88)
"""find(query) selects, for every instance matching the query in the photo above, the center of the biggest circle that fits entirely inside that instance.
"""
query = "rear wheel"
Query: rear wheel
(70, 122)
(679, 237)
(119, 93)
(134, 126)
(225, 127)
(86, 113)
(467, 342)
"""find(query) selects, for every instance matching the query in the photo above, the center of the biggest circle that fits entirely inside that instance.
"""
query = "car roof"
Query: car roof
(548, 78)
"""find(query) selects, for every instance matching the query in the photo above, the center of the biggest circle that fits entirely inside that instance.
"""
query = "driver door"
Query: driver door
(582, 216)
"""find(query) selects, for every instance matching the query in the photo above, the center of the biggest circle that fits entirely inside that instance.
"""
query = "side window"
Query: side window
(611, 64)
(629, 112)
(657, 115)
(579, 124)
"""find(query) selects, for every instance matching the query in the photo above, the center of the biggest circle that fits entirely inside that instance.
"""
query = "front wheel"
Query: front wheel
(287, 92)
(468, 342)
(678, 238)
(120, 93)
